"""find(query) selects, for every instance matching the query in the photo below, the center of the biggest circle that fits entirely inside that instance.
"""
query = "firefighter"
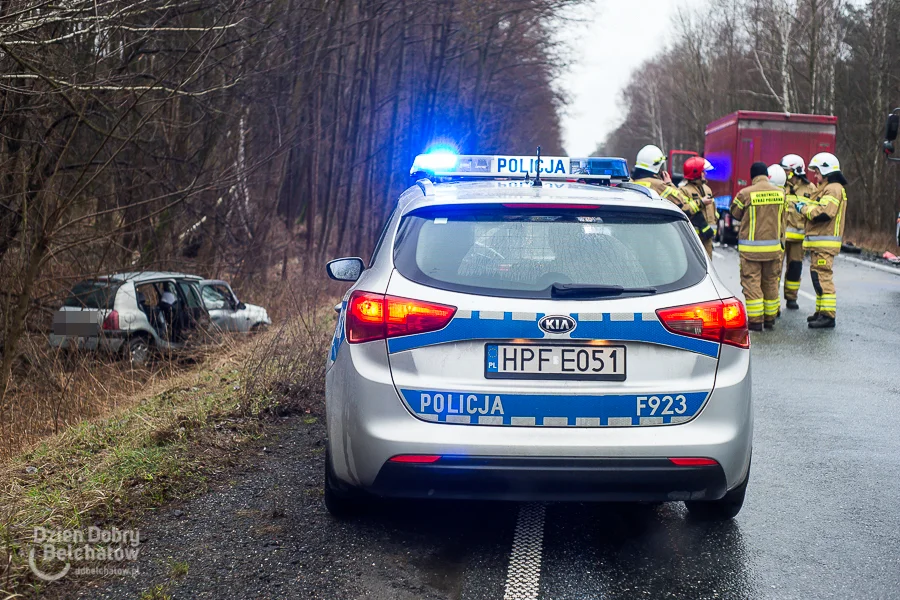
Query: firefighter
(695, 189)
(646, 172)
(760, 209)
(824, 213)
(798, 187)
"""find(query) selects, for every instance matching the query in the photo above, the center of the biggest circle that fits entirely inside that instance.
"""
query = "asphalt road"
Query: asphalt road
(821, 519)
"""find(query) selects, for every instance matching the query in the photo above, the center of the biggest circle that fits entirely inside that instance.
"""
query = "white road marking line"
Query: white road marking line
(870, 264)
(524, 575)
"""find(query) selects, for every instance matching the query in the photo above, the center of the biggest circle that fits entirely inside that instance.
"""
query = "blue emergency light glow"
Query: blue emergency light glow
(721, 167)
(436, 160)
(614, 167)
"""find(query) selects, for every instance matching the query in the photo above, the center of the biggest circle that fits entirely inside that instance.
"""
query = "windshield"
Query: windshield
(525, 252)
(92, 294)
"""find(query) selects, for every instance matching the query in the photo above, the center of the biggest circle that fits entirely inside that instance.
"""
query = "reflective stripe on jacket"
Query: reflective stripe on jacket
(667, 191)
(795, 190)
(760, 209)
(825, 218)
(695, 192)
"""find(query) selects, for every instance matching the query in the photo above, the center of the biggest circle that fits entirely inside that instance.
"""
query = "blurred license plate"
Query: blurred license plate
(554, 361)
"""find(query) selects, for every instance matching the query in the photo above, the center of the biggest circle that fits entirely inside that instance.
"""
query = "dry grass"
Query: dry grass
(51, 389)
(876, 242)
(164, 440)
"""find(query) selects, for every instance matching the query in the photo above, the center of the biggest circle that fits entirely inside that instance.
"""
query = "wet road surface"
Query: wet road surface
(821, 519)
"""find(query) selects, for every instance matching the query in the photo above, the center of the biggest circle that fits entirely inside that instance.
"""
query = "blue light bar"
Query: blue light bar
(441, 160)
(445, 164)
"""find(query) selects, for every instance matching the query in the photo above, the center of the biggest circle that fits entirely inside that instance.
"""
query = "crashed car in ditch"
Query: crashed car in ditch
(135, 314)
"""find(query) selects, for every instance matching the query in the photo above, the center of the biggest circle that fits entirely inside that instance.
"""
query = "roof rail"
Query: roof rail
(426, 186)
(637, 188)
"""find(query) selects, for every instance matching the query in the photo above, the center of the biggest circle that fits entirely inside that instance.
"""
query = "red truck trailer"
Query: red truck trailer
(736, 141)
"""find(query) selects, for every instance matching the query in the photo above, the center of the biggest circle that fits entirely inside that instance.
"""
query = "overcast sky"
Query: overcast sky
(619, 36)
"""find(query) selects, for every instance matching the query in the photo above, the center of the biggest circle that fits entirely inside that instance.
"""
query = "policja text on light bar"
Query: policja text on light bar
(602, 169)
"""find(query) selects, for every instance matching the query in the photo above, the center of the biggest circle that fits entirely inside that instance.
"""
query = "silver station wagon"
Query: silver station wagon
(554, 342)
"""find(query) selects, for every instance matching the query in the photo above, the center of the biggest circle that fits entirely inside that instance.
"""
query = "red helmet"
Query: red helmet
(693, 167)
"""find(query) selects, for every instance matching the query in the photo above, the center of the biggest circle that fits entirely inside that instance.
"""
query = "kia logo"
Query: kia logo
(557, 324)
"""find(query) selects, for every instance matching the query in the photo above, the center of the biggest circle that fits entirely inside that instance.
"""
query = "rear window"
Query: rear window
(524, 252)
(93, 294)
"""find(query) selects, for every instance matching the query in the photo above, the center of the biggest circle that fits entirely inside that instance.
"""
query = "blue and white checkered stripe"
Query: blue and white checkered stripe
(339, 334)
(606, 410)
(470, 325)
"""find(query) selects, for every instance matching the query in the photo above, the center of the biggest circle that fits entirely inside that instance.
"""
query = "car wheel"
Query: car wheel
(137, 351)
(259, 328)
(341, 501)
(723, 509)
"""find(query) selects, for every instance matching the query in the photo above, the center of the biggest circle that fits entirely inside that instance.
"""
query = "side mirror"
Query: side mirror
(891, 127)
(241, 306)
(345, 269)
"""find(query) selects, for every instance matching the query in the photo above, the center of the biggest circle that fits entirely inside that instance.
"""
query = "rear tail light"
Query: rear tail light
(693, 462)
(111, 322)
(376, 316)
(723, 321)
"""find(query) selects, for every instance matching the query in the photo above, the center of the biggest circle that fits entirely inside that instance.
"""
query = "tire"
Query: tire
(137, 351)
(259, 328)
(341, 500)
(723, 509)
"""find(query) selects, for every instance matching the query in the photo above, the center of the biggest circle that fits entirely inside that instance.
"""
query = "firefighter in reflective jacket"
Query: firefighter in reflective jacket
(699, 194)
(798, 187)
(760, 209)
(824, 213)
(647, 173)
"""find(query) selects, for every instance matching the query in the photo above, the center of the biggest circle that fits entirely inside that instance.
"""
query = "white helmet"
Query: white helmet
(793, 162)
(777, 176)
(825, 162)
(650, 158)
(707, 166)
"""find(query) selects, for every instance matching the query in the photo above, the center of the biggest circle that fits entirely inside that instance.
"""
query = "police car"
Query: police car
(524, 338)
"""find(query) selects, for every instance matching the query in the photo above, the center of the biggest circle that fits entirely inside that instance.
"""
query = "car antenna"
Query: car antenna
(537, 177)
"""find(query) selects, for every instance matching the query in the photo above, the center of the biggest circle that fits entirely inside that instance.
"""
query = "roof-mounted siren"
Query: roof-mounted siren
(447, 166)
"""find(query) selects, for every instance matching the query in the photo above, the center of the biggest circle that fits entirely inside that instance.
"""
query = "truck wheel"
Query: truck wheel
(137, 351)
(724, 509)
(341, 501)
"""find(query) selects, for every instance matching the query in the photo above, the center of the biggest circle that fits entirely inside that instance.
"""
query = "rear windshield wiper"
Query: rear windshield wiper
(583, 290)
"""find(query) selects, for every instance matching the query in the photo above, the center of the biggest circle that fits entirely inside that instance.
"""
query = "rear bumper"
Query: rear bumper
(110, 341)
(368, 424)
(550, 479)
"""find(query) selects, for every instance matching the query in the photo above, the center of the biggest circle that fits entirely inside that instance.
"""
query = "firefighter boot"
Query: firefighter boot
(813, 317)
(755, 326)
(792, 304)
(822, 322)
(769, 324)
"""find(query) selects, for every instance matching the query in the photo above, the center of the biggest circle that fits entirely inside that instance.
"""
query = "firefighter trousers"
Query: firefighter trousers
(708, 246)
(821, 269)
(759, 278)
(793, 256)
